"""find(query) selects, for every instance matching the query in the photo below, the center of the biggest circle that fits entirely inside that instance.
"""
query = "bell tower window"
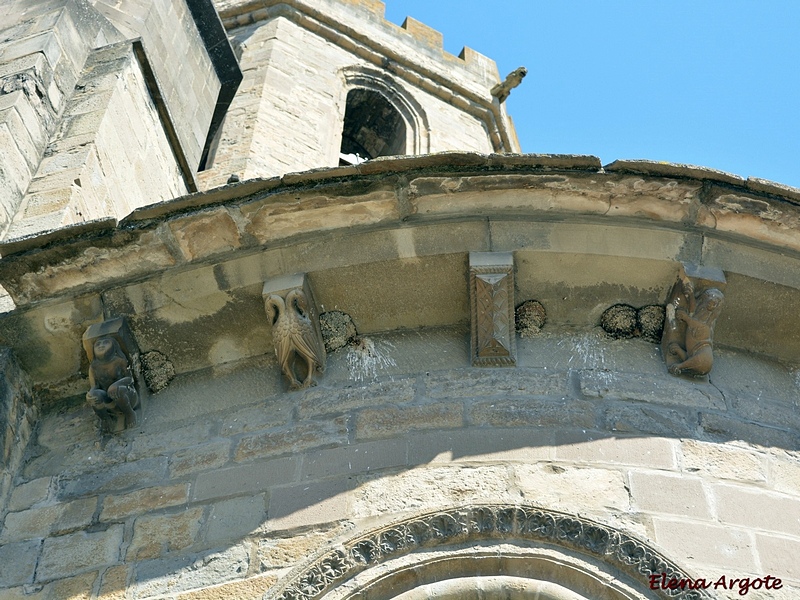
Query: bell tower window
(373, 127)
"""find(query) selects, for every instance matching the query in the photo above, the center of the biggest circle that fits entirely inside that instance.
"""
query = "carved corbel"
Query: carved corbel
(693, 305)
(491, 285)
(113, 395)
(296, 334)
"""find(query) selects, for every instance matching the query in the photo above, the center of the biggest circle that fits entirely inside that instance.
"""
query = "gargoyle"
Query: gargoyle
(502, 90)
(113, 395)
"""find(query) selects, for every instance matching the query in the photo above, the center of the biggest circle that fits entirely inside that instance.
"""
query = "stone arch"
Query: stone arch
(498, 550)
(380, 116)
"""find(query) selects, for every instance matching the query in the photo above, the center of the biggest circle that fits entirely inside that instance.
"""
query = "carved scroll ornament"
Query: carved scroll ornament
(295, 329)
(113, 394)
(471, 524)
(693, 306)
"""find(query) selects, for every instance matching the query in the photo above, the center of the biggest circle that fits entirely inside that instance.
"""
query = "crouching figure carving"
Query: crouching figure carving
(693, 307)
(113, 394)
(295, 330)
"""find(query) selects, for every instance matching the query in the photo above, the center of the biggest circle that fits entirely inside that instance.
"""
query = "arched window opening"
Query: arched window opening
(373, 127)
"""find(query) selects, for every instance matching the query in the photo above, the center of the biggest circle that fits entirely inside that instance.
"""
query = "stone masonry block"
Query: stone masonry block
(753, 508)
(122, 476)
(670, 494)
(574, 489)
(480, 445)
(724, 427)
(293, 439)
(319, 401)
(354, 458)
(18, 562)
(657, 453)
(155, 536)
(199, 458)
(644, 388)
(778, 556)
(248, 478)
(397, 420)
(724, 547)
(532, 412)
(234, 519)
(628, 417)
(723, 461)
(32, 492)
(496, 382)
(78, 552)
(41, 521)
(206, 234)
(144, 500)
(309, 503)
(784, 473)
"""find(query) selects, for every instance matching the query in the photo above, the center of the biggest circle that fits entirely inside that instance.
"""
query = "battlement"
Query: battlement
(365, 21)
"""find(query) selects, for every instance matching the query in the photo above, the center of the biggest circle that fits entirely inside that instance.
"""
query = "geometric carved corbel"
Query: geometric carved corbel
(296, 335)
(491, 287)
(113, 396)
(693, 305)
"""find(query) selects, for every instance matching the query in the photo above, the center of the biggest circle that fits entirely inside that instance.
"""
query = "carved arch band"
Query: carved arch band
(486, 551)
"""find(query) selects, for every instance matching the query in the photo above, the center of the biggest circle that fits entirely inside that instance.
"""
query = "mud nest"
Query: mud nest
(623, 321)
(650, 322)
(337, 329)
(157, 370)
(619, 321)
(530, 318)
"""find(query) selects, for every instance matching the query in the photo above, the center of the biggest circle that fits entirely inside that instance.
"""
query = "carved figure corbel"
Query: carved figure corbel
(693, 306)
(295, 329)
(502, 90)
(113, 394)
(493, 341)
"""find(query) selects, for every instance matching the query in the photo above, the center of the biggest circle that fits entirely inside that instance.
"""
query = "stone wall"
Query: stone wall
(229, 480)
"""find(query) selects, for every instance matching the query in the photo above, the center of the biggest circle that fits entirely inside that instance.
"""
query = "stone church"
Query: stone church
(288, 315)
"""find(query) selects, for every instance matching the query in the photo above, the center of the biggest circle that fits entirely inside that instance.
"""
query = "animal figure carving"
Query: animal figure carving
(502, 90)
(295, 337)
(689, 329)
(112, 395)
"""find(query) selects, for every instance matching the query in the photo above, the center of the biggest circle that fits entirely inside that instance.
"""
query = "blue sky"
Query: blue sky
(705, 82)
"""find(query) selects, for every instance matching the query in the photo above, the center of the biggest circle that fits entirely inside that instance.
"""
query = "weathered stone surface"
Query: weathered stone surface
(140, 473)
(435, 486)
(480, 444)
(113, 583)
(354, 458)
(724, 427)
(784, 472)
(155, 536)
(234, 519)
(321, 401)
(143, 500)
(18, 562)
(642, 388)
(174, 575)
(255, 477)
(205, 234)
(755, 509)
(723, 462)
(532, 412)
(292, 439)
(571, 488)
(590, 447)
(392, 421)
(158, 444)
(670, 494)
(628, 417)
(309, 503)
(39, 522)
(777, 556)
(252, 588)
(496, 382)
(725, 547)
(71, 554)
(278, 553)
(199, 458)
(27, 494)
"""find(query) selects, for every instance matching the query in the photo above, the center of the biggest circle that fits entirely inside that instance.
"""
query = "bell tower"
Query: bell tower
(330, 83)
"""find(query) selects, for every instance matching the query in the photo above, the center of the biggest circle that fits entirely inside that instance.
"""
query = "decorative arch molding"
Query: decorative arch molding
(411, 111)
(544, 548)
